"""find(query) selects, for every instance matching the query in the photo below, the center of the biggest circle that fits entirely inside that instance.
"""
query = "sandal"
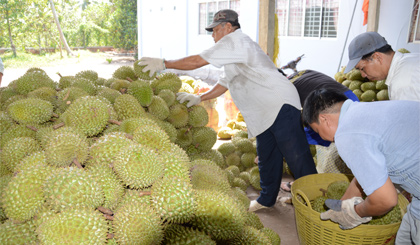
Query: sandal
(286, 186)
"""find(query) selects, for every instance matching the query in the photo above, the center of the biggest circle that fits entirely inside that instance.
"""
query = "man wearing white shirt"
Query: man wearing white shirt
(268, 102)
(370, 53)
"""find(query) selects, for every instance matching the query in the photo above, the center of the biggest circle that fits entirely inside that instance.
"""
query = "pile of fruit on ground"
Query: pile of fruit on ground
(88, 160)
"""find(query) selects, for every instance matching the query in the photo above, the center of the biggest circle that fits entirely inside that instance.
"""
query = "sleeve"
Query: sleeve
(1, 66)
(361, 154)
(224, 52)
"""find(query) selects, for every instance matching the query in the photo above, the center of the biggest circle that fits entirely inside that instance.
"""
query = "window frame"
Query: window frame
(232, 4)
(319, 27)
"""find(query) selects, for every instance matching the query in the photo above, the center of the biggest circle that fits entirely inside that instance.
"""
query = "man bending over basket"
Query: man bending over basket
(380, 143)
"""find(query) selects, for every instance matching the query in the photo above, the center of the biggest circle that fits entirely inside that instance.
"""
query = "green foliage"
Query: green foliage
(124, 24)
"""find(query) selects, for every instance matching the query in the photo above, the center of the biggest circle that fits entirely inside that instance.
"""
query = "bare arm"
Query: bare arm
(354, 190)
(379, 202)
(214, 92)
(1, 77)
(187, 63)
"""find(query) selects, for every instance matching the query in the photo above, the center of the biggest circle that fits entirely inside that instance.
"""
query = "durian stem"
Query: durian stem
(129, 79)
(67, 95)
(77, 163)
(129, 136)
(58, 73)
(105, 210)
(109, 217)
(109, 236)
(324, 192)
(58, 126)
(55, 115)
(32, 128)
(114, 122)
(123, 90)
(145, 193)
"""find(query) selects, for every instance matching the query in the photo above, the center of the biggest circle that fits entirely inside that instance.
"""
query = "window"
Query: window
(308, 18)
(415, 24)
(208, 9)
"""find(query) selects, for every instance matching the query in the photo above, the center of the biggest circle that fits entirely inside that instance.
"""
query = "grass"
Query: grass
(24, 59)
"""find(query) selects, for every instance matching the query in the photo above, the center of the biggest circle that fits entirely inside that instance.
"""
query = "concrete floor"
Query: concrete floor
(280, 217)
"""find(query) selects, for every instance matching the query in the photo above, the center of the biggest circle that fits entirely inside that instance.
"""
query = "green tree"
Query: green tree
(13, 10)
(124, 24)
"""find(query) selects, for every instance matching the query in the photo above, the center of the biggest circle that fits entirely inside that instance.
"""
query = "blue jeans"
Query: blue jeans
(314, 138)
(285, 138)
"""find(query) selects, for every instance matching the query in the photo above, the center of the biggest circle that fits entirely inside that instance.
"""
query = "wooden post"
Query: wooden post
(266, 26)
(373, 13)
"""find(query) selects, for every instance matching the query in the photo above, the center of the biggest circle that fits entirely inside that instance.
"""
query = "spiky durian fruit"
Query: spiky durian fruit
(29, 162)
(112, 187)
(127, 106)
(166, 80)
(89, 114)
(240, 197)
(23, 197)
(168, 96)
(133, 195)
(88, 74)
(124, 72)
(142, 91)
(197, 116)
(4, 182)
(336, 189)
(130, 125)
(138, 166)
(16, 131)
(319, 204)
(239, 182)
(153, 137)
(72, 187)
(138, 70)
(391, 217)
(248, 159)
(168, 128)
(172, 197)
(226, 148)
(109, 94)
(243, 145)
(255, 178)
(176, 162)
(246, 176)
(74, 226)
(67, 96)
(250, 236)
(252, 219)
(11, 100)
(30, 111)
(137, 223)
(158, 108)
(120, 85)
(66, 81)
(271, 235)
(204, 138)
(178, 234)
(33, 80)
(85, 84)
(218, 214)
(233, 159)
(184, 137)
(178, 115)
(104, 150)
(5, 122)
(6, 93)
(209, 177)
(18, 233)
(45, 93)
(64, 148)
(16, 149)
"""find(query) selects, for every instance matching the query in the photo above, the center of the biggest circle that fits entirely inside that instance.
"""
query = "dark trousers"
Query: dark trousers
(285, 138)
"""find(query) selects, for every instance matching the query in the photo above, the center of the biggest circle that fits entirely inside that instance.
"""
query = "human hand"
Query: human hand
(152, 65)
(193, 99)
(343, 213)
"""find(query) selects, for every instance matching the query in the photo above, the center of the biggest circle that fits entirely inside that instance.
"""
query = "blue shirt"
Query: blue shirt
(381, 139)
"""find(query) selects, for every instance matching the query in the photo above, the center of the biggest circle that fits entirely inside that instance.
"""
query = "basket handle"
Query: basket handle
(302, 195)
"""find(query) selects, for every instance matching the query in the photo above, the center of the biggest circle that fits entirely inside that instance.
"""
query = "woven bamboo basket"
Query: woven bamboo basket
(312, 230)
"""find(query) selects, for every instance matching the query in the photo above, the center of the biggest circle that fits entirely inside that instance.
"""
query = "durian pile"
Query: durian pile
(336, 190)
(89, 160)
(232, 127)
(366, 91)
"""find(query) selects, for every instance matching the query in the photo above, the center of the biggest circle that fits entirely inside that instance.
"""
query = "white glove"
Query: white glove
(343, 213)
(192, 98)
(152, 64)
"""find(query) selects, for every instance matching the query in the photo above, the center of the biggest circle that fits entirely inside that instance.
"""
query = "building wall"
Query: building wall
(169, 29)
